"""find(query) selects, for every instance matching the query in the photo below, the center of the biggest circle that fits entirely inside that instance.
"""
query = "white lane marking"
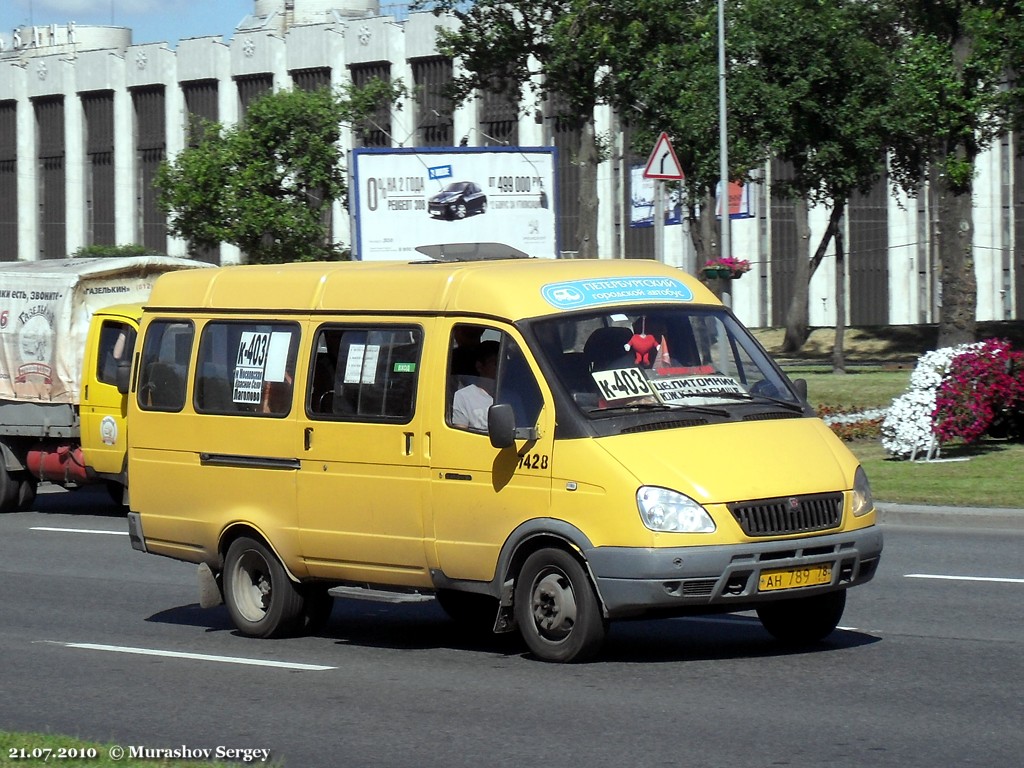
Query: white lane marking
(79, 530)
(197, 656)
(962, 578)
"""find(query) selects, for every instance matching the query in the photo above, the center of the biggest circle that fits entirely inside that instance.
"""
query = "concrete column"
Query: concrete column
(125, 180)
(74, 163)
(28, 170)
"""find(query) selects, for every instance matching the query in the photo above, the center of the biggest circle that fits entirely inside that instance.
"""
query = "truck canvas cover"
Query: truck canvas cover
(45, 308)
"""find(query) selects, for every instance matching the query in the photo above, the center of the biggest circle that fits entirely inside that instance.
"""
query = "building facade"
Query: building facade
(87, 116)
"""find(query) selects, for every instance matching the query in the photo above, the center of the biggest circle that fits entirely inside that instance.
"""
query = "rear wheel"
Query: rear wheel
(261, 599)
(10, 487)
(803, 620)
(557, 609)
(27, 487)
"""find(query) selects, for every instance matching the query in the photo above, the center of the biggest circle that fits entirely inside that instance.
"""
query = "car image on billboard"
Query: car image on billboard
(457, 201)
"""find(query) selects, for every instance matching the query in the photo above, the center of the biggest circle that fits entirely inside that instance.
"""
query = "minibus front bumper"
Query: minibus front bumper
(633, 581)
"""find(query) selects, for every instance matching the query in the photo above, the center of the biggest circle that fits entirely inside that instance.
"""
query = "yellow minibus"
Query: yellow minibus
(543, 445)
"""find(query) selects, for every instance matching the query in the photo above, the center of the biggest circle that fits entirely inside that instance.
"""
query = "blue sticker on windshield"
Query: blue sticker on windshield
(613, 290)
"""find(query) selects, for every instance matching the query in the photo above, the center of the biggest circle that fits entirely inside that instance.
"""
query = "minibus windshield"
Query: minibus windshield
(659, 357)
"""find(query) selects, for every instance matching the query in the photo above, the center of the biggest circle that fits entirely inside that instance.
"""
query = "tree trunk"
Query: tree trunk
(586, 231)
(954, 230)
(696, 226)
(797, 316)
(704, 230)
(801, 287)
(838, 359)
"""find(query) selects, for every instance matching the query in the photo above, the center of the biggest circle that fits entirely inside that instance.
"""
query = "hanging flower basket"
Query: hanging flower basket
(716, 273)
(726, 268)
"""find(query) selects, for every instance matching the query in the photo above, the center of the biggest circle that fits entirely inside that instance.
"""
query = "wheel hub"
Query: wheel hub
(554, 606)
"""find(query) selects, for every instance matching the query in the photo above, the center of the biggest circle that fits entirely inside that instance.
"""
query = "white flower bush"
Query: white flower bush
(907, 428)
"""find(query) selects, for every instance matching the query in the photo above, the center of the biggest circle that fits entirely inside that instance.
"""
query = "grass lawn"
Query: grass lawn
(984, 475)
(987, 474)
(858, 389)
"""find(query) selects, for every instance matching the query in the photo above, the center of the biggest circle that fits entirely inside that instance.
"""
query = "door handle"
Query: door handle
(307, 437)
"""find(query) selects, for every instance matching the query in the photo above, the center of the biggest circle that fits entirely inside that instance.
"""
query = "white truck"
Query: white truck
(65, 325)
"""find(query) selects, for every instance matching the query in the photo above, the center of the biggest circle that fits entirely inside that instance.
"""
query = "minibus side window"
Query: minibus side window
(364, 373)
(486, 366)
(164, 367)
(246, 368)
(117, 342)
(474, 351)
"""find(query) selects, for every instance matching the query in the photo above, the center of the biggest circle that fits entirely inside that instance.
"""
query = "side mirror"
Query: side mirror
(800, 385)
(123, 376)
(501, 426)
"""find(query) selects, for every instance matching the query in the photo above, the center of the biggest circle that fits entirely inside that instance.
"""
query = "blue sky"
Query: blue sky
(150, 20)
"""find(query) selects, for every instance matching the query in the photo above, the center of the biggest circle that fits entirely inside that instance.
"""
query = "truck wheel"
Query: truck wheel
(27, 488)
(9, 488)
(261, 599)
(556, 608)
(803, 620)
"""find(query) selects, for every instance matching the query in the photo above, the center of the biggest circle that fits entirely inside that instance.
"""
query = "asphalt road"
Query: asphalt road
(102, 642)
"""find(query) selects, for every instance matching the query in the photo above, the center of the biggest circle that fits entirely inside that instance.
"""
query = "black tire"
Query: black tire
(556, 608)
(803, 620)
(10, 485)
(116, 492)
(261, 599)
(459, 211)
(317, 608)
(27, 487)
(473, 611)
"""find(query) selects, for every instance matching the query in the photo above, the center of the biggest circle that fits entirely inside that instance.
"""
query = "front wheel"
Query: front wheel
(261, 599)
(803, 620)
(557, 609)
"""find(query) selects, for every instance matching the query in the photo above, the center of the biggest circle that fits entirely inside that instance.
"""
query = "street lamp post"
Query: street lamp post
(723, 139)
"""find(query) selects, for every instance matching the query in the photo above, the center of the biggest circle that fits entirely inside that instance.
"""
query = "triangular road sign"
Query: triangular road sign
(663, 163)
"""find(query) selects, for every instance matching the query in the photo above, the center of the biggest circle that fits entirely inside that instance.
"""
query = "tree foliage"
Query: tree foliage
(824, 75)
(538, 51)
(267, 184)
(953, 94)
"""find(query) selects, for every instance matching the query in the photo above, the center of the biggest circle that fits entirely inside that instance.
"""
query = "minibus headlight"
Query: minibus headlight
(862, 500)
(672, 512)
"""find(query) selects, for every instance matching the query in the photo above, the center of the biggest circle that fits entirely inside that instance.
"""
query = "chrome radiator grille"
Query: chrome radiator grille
(789, 514)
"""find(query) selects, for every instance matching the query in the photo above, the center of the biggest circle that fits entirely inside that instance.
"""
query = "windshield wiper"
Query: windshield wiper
(705, 409)
(787, 404)
(632, 407)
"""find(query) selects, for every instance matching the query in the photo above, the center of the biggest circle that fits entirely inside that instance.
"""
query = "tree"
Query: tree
(663, 75)
(806, 82)
(266, 184)
(546, 45)
(825, 74)
(951, 98)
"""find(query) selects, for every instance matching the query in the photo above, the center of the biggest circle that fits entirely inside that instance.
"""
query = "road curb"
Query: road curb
(951, 517)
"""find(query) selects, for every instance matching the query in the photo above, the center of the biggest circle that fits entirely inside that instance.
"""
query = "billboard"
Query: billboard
(402, 199)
